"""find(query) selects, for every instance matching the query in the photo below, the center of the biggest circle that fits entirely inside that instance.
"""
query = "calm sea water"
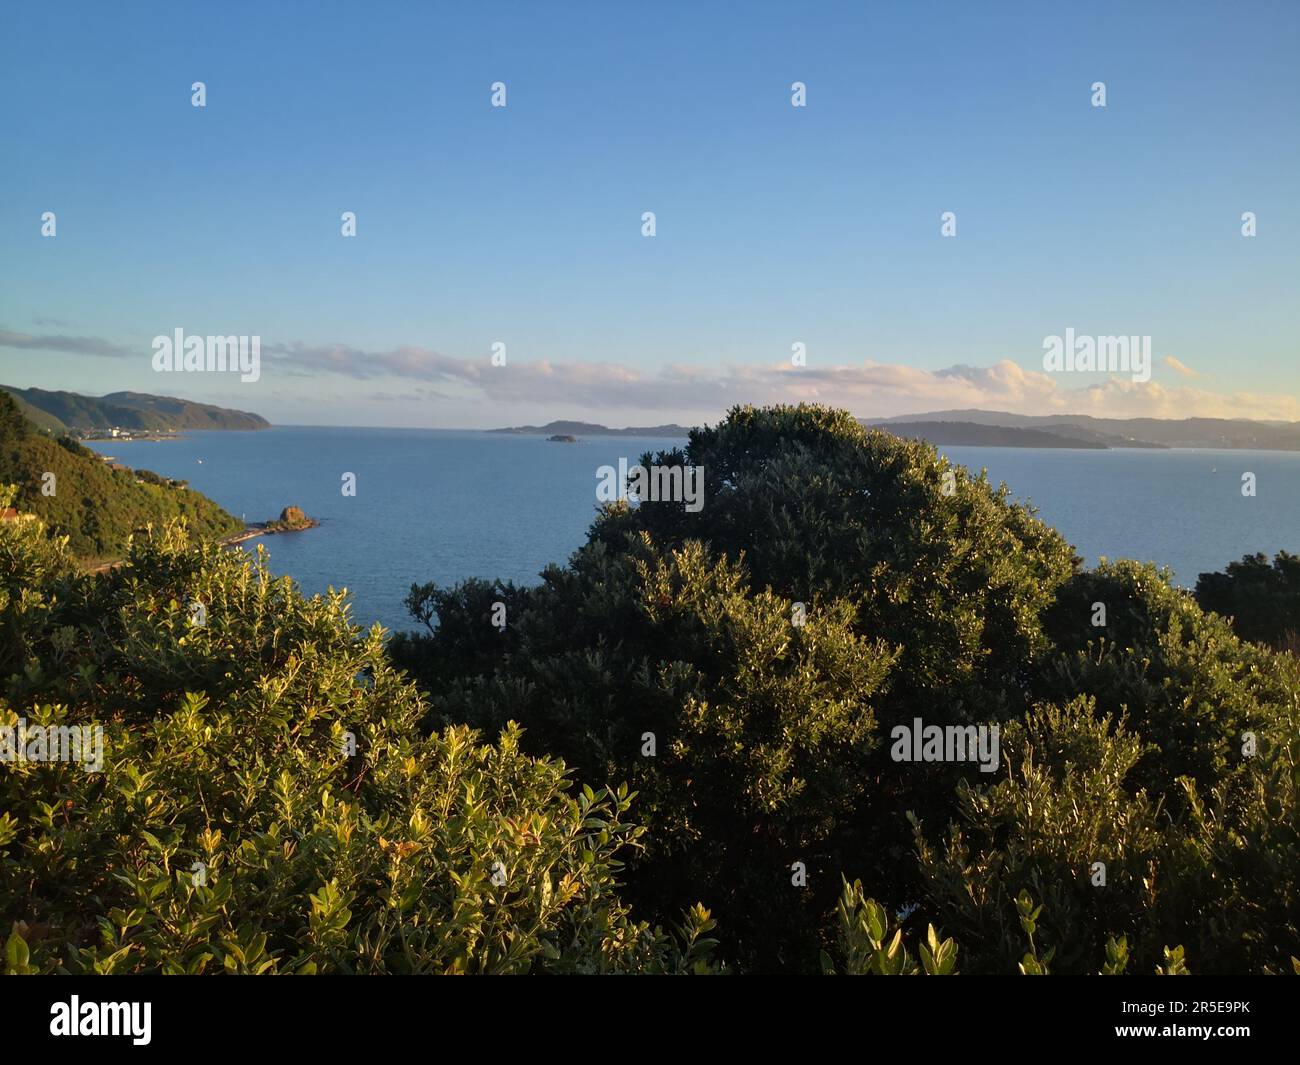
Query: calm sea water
(444, 505)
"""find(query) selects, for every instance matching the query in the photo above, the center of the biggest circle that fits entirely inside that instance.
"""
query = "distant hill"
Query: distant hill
(1224, 433)
(41, 419)
(983, 428)
(592, 429)
(972, 434)
(132, 410)
(96, 506)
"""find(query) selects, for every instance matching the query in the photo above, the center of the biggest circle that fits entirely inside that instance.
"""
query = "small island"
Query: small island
(561, 438)
(291, 519)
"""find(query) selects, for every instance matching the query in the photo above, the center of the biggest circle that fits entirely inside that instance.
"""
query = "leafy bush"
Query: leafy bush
(866, 947)
(1219, 874)
(870, 943)
(267, 802)
(1188, 685)
(750, 740)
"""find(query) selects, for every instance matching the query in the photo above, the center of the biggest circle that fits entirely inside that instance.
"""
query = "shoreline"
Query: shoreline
(250, 532)
(265, 528)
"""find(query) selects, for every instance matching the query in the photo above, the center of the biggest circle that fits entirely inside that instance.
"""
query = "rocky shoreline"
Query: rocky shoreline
(291, 519)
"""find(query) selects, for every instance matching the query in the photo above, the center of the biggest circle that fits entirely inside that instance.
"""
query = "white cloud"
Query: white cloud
(685, 393)
(868, 389)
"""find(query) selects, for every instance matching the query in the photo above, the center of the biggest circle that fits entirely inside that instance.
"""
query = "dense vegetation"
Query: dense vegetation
(1156, 742)
(1262, 600)
(707, 702)
(95, 506)
(267, 802)
(42, 420)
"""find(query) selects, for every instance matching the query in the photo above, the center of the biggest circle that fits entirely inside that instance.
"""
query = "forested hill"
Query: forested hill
(96, 506)
(131, 410)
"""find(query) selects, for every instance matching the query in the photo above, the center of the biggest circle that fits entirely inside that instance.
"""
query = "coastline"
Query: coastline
(266, 528)
(250, 532)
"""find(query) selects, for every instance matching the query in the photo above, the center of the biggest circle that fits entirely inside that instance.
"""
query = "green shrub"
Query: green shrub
(267, 802)
(751, 741)
(870, 943)
(1219, 873)
(1186, 684)
(866, 947)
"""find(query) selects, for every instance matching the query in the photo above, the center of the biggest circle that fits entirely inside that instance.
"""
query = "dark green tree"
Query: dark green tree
(835, 582)
(1261, 599)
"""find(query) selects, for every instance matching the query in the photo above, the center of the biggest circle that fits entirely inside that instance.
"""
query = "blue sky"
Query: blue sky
(775, 224)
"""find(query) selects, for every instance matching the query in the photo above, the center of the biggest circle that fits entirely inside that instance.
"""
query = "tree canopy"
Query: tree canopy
(1149, 761)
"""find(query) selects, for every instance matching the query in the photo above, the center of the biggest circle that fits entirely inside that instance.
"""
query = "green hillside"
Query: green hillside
(95, 506)
(41, 419)
(133, 410)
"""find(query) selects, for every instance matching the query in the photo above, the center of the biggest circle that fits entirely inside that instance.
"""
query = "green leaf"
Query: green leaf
(16, 953)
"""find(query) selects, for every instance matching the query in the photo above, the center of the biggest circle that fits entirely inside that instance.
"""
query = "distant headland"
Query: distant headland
(131, 415)
(981, 428)
(1000, 429)
(576, 429)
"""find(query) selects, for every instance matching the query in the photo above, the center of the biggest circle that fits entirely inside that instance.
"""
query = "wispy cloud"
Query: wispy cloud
(1180, 367)
(868, 388)
(67, 344)
(681, 392)
(408, 361)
